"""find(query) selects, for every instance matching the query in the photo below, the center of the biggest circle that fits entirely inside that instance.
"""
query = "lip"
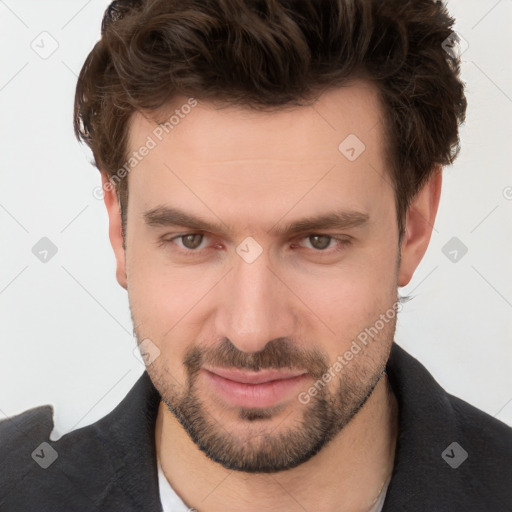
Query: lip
(260, 389)
(254, 377)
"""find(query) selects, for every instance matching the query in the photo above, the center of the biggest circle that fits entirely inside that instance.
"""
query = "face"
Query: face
(258, 250)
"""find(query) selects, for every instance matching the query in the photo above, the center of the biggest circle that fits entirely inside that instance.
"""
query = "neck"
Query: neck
(353, 466)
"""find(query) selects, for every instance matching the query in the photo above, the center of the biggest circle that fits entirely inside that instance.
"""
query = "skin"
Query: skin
(254, 171)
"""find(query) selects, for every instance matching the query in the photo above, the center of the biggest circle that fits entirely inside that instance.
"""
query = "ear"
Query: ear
(420, 219)
(115, 228)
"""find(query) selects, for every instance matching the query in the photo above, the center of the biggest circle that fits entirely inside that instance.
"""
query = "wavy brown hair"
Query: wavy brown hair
(269, 54)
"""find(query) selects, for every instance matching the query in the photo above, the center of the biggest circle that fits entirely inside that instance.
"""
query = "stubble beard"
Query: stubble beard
(262, 445)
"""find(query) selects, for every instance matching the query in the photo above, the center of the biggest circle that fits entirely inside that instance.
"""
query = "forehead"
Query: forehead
(245, 155)
(211, 129)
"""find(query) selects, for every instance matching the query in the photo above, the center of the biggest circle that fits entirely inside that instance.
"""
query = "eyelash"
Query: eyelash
(194, 252)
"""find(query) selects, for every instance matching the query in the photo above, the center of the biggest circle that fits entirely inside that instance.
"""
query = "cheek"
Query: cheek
(352, 295)
(170, 304)
(155, 293)
(160, 301)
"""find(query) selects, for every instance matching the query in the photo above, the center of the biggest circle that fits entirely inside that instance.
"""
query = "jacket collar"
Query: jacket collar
(128, 433)
(427, 426)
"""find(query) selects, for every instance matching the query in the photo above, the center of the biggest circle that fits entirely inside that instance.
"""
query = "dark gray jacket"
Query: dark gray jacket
(111, 466)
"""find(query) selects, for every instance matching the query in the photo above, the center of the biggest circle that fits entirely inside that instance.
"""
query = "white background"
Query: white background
(66, 334)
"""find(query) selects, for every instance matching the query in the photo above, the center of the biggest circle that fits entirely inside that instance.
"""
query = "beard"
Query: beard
(259, 445)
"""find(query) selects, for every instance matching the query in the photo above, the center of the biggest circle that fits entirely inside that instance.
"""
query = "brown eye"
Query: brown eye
(320, 242)
(192, 241)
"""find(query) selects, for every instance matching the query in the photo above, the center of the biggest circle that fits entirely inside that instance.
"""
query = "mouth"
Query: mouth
(254, 389)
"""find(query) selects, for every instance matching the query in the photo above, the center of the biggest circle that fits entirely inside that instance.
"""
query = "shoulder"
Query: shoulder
(483, 433)
(22, 439)
(429, 408)
(21, 435)
(43, 474)
(481, 453)
(109, 465)
(32, 423)
(450, 454)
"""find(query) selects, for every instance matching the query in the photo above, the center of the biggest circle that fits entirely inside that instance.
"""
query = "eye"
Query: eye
(192, 243)
(189, 241)
(321, 243)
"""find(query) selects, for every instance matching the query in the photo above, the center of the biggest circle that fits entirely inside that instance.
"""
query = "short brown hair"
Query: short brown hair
(267, 54)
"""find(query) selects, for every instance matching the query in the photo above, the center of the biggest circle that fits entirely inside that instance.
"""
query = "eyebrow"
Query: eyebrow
(164, 216)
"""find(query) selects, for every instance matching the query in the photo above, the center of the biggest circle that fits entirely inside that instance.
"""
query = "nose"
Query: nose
(255, 306)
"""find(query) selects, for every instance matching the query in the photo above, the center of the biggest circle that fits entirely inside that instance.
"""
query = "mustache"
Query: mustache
(279, 353)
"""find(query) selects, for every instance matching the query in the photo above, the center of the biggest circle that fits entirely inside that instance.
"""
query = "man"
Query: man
(272, 174)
